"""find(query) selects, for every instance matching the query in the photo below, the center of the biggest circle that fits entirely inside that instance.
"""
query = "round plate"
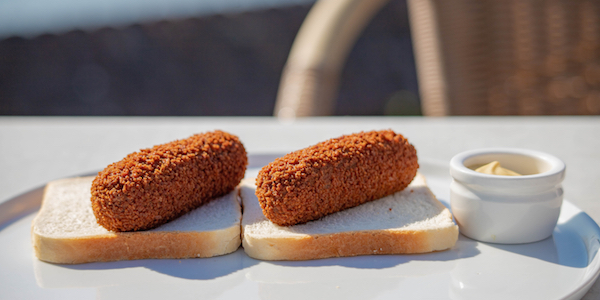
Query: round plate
(562, 266)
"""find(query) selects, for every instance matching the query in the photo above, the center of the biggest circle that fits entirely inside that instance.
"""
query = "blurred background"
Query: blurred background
(210, 57)
(181, 57)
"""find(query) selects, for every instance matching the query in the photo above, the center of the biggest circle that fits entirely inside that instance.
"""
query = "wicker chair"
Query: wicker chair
(473, 57)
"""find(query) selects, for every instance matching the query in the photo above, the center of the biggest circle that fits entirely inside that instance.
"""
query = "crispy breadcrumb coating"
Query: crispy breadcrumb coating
(334, 175)
(155, 185)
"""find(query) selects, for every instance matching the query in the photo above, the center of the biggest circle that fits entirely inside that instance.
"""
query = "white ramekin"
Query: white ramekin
(507, 209)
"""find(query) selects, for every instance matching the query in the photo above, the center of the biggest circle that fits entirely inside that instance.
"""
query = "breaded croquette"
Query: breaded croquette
(155, 185)
(334, 175)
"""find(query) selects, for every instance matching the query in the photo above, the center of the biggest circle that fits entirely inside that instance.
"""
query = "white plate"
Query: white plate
(563, 266)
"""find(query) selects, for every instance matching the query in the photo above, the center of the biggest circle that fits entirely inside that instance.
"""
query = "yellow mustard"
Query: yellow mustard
(494, 168)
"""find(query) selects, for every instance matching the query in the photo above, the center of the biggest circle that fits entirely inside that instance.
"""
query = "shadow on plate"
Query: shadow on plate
(564, 265)
(207, 278)
(361, 277)
(20, 206)
(464, 248)
(574, 243)
(134, 271)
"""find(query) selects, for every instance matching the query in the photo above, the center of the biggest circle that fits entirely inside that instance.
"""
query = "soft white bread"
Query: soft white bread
(410, 221)
(65, 229)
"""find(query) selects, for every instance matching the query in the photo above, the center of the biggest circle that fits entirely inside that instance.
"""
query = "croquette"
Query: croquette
(156, 185)
(334, 175)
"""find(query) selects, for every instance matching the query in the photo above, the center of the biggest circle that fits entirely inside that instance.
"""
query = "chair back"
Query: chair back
(473, 57)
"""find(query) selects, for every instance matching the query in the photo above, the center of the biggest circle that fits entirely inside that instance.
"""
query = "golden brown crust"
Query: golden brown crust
(334, 175)
(155, 185)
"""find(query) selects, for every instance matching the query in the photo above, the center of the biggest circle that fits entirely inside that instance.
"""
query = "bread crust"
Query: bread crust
(136, 245)
(334, 175)
(156, 185)
(347, 244)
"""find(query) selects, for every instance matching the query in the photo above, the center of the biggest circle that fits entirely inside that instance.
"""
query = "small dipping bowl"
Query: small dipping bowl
(506, 209)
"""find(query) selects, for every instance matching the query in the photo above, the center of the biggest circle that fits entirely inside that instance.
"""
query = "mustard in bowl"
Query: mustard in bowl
(509, 209)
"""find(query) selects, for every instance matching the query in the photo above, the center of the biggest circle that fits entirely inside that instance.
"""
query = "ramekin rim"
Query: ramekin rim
(458, 168)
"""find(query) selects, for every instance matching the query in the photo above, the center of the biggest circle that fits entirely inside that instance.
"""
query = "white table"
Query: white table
(36, 150)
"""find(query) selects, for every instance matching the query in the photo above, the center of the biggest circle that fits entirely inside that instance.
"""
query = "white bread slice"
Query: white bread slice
(409, 221)
(65, 229)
